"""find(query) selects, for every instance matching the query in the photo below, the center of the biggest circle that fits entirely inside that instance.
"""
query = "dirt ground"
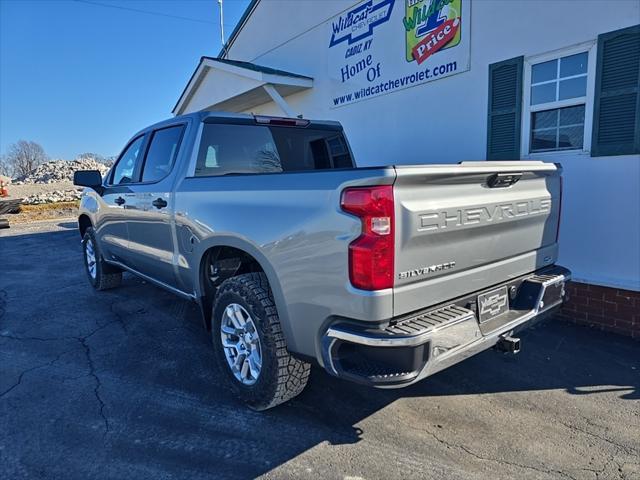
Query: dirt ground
(45, 211)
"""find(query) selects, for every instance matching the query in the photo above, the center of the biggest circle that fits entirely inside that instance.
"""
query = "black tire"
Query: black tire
(106, 276)
(282, 376)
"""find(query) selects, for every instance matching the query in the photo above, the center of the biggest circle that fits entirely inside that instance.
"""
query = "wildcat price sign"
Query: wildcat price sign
(380, 46)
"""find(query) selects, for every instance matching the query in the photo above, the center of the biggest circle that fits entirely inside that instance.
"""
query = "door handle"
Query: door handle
(159, 203)
(119, 201)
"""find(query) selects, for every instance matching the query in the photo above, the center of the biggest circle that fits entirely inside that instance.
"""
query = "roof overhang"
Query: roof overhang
(220, 84)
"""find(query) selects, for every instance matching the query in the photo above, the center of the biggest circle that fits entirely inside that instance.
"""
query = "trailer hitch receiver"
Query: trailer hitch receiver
(508, 344)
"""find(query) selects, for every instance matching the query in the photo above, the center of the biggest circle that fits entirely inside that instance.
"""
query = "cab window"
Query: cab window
(240, 149)
(124, 170)
(161, 154)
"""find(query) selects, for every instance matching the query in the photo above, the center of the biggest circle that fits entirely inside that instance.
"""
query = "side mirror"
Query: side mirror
(88, 178)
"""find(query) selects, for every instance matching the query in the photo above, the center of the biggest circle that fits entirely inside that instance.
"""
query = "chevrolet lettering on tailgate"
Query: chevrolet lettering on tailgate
(464, 217)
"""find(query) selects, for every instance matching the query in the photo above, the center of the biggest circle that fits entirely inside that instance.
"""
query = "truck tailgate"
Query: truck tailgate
(463, 228)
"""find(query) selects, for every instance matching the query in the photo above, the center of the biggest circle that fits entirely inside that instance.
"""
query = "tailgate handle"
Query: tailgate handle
(502, 180)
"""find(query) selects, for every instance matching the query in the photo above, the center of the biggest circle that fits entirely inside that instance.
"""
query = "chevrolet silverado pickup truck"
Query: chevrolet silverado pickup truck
(381, 275)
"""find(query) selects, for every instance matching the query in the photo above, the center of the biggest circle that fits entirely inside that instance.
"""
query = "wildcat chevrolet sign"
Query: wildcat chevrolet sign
(358, 23)
(380, 46)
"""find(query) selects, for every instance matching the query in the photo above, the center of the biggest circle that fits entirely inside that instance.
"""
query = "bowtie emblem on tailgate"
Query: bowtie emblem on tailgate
(493, 303)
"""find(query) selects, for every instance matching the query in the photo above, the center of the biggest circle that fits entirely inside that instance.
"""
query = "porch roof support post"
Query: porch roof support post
(277, 98)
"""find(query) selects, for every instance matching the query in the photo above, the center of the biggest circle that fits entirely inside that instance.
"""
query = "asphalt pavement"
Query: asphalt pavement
(120, 385)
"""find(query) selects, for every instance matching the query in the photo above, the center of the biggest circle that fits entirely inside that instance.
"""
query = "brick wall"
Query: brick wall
(610, 309)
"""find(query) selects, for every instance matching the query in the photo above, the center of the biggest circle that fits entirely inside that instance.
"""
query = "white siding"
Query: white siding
(445, 121)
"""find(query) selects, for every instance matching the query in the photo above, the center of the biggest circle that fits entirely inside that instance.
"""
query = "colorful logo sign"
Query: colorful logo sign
(360, 22)
(376, 49)
(431, 26)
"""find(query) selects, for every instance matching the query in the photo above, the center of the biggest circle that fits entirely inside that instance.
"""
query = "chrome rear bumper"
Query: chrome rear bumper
(410, 348)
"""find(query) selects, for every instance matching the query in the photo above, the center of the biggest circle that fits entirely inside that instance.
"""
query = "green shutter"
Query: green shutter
(616, 109)
(505, 110)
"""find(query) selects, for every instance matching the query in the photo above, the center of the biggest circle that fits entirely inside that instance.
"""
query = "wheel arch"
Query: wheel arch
(84, 222)
(253, 259)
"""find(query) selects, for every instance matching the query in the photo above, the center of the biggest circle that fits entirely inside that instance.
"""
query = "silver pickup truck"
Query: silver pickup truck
(380, 275)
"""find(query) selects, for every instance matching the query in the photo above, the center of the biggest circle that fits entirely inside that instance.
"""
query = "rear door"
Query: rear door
(150, 218)
(463, 228)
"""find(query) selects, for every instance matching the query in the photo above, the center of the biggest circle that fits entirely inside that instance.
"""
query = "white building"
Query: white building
(440, 81)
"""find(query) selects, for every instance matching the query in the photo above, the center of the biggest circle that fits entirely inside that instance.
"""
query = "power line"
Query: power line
(148, 12)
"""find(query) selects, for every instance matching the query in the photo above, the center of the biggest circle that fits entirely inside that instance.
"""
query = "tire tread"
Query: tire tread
(107, 276)
(292, 373)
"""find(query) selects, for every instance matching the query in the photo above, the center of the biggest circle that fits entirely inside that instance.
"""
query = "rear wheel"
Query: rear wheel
(250, 346)
(102, 276)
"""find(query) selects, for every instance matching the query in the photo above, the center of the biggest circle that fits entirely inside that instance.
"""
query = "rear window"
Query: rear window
(227, 149)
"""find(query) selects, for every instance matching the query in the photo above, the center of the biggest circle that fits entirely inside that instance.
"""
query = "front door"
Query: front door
(117, 198)
(150, 217)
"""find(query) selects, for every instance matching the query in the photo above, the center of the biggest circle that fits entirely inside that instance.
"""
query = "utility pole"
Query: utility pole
(221, 24)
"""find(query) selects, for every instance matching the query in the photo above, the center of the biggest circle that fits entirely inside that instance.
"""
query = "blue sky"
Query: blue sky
(79, 77)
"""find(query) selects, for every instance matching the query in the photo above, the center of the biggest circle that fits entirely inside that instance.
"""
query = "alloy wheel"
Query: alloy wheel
(90, 257)
(241, 343)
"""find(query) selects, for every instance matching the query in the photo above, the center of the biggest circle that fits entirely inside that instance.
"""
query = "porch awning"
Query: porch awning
(235, 86)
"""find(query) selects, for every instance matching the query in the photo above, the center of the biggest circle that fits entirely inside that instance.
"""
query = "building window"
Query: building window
(557, 129)
(556, 101)
(554, 83)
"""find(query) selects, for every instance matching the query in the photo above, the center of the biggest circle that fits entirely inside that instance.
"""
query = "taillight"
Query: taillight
(559, 211)
(371, 255)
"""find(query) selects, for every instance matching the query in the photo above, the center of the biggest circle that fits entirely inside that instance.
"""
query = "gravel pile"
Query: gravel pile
(53, 197)
(60, 171)
(52, 181)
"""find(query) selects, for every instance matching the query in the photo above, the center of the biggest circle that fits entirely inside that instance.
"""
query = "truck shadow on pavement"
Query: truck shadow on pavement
(122, 384)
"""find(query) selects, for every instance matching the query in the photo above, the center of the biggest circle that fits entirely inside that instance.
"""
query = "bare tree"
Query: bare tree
(4, 166)
(23, 157)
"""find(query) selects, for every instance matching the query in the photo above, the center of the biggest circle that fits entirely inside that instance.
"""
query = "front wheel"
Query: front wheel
(250, 346)
(102, 276)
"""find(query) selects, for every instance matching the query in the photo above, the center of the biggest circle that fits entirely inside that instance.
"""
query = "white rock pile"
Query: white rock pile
(53, 197)
(60, 171)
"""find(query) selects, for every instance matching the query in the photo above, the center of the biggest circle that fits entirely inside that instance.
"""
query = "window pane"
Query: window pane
(543, 93)
(302, 149)
(161, 154)
(340, 152)
(237, 149)
(123, 171)
(543, 72)
(311, 149)
(264, 149)
(543, 140)
(573, 65)
(572, 88)
(572, 115)
(337, 146)
(570, 137)
(546, 119)
(548, 130)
